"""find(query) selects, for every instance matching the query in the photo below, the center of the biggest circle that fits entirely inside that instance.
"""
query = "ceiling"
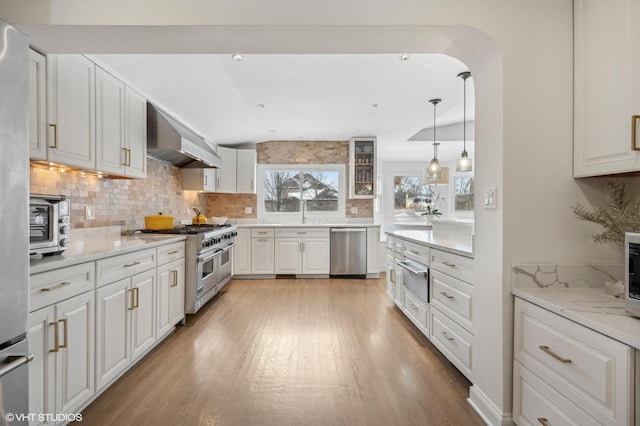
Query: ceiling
(309, 97)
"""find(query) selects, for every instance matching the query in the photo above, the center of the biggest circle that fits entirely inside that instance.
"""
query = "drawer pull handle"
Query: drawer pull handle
(444, 293)
(174, 274)
(174, 252)
(548, 351)
(128, 265)
(449, 264)
(413, 305)
(137, 293)
(66, 333)
(444, 333)
(543, 421)
(55, 135)
(56, 337)
(415, 252)
(55, 287)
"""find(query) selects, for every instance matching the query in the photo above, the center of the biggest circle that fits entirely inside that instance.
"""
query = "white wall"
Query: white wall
(521, 60)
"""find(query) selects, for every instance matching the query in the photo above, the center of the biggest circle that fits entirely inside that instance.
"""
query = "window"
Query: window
(412, 197)
(285, 188)
(463, 194)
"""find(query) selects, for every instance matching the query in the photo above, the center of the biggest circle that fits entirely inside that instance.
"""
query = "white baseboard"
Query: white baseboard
(487, 410)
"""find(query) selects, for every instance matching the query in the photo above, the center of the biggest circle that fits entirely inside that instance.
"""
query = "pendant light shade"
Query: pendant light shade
(465, 164)
(434, 170)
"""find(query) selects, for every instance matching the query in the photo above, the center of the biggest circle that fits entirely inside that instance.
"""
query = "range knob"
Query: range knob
(234, 233)
(64, 229)
(64, 220)
(64, 242)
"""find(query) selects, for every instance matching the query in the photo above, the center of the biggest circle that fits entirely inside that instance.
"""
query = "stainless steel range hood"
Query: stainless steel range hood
(171, 142)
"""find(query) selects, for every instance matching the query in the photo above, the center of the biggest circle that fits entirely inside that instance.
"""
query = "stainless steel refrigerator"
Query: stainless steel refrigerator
(14, 211)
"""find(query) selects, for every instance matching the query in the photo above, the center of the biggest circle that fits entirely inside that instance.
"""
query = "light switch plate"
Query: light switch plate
(248, 210)
(90, 212)
(490, 202)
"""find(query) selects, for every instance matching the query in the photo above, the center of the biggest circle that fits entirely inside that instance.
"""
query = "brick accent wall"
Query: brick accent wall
(120, 202)
(289, 152)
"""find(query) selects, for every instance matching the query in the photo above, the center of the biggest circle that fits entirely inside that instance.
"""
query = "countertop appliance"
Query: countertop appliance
(208, 260)
(14, 244)
(49, 224)
(348, 252)
(632, 273)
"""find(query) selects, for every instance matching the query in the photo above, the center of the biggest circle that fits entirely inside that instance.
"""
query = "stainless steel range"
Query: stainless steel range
(208, 260)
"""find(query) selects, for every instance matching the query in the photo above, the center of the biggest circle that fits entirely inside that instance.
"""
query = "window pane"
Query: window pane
(320, 190)
(463, 197)
(281, 191)
(411, 197)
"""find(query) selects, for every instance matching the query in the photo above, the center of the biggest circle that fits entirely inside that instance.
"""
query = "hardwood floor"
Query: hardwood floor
(291, 352)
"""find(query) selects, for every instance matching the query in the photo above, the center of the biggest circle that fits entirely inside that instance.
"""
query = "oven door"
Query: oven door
(224, 263)
(207, 273)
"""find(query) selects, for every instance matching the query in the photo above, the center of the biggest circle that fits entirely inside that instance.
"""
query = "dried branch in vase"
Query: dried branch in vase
(618, 217)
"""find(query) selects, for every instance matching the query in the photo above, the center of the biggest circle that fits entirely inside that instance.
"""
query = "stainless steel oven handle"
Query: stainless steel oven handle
(413, 271)
(17, 362)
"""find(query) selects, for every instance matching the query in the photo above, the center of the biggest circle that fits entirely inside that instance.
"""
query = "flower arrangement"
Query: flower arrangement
(618, 217)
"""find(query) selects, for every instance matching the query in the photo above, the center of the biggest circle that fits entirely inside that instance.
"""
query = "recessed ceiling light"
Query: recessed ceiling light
(260, 105)
(374, 105)
(238, 57)
(272, 131)
(404, 57)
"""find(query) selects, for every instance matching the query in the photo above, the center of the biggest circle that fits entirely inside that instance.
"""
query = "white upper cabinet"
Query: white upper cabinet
(607, 88)
(121, 127)
(110, 146)
(226, 176)
(199, 179)
(362, 168)
(135, 136)
(37, 106)
(71, 111)
(246, 171)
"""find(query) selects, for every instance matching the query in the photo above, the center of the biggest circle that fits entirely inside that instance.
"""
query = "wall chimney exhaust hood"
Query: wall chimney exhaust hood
(171, 142)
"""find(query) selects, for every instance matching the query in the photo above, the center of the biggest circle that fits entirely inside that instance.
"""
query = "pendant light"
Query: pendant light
(434, 171)
(465, 164)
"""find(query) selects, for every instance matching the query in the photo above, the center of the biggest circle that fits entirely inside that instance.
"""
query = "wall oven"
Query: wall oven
(49, 224)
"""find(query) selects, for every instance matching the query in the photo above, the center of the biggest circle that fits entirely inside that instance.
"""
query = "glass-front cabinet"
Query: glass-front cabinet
(362, 167)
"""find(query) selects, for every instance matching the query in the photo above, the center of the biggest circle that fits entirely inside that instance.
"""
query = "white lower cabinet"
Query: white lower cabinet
(61, 375)
(242, 252)
(125, 325)
(390, 278)
(417, 311)
(398, 297)
(453, 341)
(302, 251)
(262, 251)
(91, 321)
(554, 355)
(170, 300)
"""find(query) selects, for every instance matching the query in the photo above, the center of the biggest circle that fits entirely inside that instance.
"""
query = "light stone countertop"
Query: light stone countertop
(447, 243)
(580, 293)
(90, 249)
(590, 307)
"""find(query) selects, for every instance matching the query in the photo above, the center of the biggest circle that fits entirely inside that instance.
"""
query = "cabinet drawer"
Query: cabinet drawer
(170, 252)
(453, 298)
(390, 244)
(453, 341)
(51, 287)
(262, 232)
(591, 370)
(398, 245)
(416, 252)
(125, 265)
(302, 232)
(534, 402)
(416, 311)
(452, 264)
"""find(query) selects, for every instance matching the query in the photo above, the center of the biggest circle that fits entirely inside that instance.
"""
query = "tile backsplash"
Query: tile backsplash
(120, 202)
(125, 202)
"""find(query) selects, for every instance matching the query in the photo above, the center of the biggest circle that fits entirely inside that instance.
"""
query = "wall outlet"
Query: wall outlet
(90, 212)
(354, 210)
(248, 210)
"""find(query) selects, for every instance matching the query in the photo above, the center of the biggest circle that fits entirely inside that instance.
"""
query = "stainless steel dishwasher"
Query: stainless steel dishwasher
(348, 251)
